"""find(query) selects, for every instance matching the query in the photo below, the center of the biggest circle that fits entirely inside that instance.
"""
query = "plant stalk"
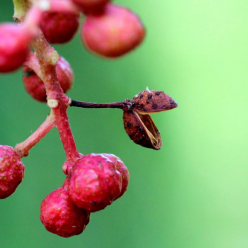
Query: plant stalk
(22, 149)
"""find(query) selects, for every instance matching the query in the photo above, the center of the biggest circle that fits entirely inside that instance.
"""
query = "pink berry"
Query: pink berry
(61, 216)
(113, 33)
(11, 171)
(59, 27)
(35, 86)
(91, 6)
(95, 182)
(14, 46)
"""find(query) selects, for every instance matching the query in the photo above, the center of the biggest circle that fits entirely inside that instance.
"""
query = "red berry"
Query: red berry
(95, 182)
(61, 216)
(59, 27)
(113, 33)
(14, 46)
(35, 86)
(120, 166)
(91, 6)
(11, 171)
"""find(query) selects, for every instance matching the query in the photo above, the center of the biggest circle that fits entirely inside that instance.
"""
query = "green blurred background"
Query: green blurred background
(190, 194)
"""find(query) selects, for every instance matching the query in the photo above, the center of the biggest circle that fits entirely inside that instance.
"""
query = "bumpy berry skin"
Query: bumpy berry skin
(91, 6)
(14, 47)
(120, 166)
(11, 171)
(59, 27)
(61, 216)
(113, 33)
(95, 182)
(35, 86)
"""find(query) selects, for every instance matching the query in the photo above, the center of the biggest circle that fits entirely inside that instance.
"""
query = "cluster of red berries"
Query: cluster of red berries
(108, 30)
(92, 181)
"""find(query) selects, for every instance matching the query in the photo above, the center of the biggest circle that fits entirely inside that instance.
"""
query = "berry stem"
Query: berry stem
(57, 100)
(125, 105)
(22, 149)
(48, 58)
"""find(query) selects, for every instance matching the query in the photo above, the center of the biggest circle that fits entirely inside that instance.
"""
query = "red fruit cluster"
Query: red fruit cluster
(93, 183)
(35, 86)
(11, 171)
(108, 30)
